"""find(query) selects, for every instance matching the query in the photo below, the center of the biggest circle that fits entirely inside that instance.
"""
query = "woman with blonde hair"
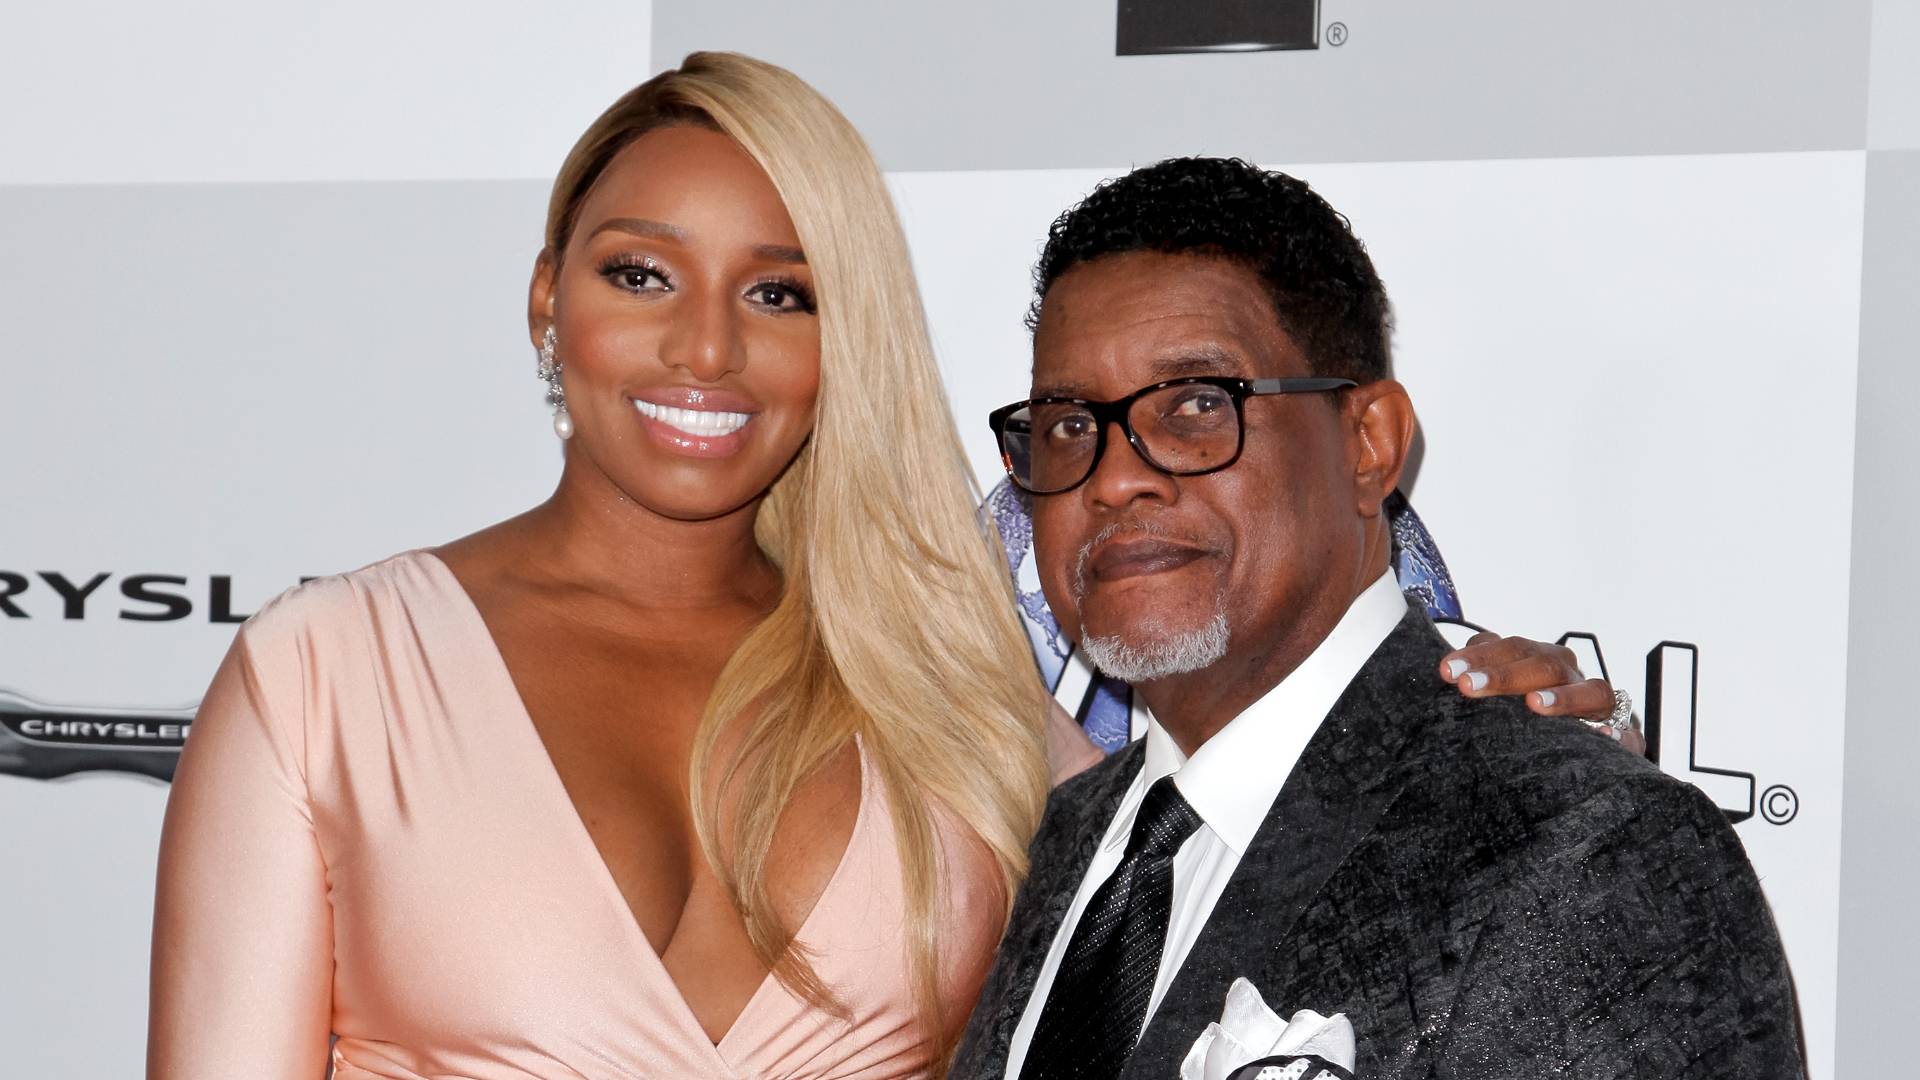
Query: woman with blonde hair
(720, 762)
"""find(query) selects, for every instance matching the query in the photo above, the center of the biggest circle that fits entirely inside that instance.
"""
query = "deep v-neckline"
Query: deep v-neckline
(608, 887)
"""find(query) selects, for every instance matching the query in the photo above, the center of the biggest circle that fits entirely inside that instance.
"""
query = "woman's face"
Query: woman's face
(683, 312)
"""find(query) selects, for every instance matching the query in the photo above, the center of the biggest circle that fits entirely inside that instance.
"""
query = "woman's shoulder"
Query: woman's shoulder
(310, 656)
(323, 613)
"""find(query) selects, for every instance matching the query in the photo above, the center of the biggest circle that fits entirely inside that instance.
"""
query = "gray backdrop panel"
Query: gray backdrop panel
(1893, 116)
(167, 323)
(1879, 878)
(262, 381)
(1016, 84)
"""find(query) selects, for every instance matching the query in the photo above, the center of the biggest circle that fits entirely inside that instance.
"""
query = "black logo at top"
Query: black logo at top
(1180, 26)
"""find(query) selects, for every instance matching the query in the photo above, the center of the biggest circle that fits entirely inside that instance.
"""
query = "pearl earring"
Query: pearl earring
(549, 372)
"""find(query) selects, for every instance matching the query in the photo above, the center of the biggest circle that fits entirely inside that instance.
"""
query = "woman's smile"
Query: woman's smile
(695, 422)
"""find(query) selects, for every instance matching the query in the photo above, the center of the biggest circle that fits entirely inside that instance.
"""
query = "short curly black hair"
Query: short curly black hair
(1324, 289)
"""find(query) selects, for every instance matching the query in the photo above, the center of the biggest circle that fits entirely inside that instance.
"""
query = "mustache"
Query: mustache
(1145, 528)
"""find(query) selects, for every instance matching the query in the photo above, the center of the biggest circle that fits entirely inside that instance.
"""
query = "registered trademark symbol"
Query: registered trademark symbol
(1779, 805)
(1337, 34)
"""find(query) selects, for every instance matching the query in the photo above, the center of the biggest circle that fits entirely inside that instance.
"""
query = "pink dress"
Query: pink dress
(367, 839)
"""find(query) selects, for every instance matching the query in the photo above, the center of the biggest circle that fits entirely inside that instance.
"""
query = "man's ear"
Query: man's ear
(540, 296)
(1383, 426)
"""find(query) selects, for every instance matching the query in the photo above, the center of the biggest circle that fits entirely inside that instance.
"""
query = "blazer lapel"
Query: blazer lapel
(1342, 783)
(1077, 817)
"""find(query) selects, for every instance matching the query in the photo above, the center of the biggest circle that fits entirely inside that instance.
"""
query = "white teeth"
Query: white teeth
(702, 422)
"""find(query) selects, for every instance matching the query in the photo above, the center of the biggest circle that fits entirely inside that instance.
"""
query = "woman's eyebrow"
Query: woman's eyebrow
(660, 230)
(640, 227)
(780, 253)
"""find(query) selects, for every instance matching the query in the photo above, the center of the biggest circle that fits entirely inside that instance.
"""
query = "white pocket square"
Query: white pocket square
(1249, 1032)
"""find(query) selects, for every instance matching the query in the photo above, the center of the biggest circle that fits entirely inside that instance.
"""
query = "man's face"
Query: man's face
(1161, 569)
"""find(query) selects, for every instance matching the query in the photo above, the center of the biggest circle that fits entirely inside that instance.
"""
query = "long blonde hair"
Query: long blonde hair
(897, 621)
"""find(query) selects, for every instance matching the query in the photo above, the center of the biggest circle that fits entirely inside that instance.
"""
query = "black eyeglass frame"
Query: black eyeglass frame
(1108, 413)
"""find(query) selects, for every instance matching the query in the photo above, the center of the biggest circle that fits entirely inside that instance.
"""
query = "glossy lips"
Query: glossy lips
(696, 423)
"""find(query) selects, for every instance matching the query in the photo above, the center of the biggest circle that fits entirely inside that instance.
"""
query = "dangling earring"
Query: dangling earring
(549, 372)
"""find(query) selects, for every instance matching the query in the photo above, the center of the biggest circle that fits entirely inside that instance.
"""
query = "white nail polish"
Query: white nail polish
(1455, 668)
(1546, 698)
(1477, 680)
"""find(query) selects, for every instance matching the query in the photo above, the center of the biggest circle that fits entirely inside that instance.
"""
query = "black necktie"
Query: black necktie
(1098, 1005)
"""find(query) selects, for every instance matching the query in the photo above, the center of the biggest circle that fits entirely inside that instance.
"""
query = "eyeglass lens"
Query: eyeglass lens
(1184, 429)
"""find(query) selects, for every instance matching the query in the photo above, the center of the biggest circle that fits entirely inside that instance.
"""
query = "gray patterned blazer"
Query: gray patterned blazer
(1484, 893)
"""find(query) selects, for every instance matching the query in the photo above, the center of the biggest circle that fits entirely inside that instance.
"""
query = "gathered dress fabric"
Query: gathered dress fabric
(369, 860)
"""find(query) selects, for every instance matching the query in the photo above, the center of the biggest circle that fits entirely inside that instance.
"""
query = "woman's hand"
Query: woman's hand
(1495, 666)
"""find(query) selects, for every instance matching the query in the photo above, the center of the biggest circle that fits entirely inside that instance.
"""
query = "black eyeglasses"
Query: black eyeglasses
(1183, 427)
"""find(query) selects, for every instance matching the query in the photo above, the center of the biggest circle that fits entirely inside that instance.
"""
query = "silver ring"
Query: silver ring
(1619, 721)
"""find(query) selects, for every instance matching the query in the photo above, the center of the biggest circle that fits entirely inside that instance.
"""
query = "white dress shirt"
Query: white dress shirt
(1231, 782)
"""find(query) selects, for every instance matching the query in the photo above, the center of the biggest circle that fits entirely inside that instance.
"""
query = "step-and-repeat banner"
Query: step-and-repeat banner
(1635, 375)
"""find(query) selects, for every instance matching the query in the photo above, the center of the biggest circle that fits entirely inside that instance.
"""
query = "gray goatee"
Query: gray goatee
(1166, 654)
(1169, 654)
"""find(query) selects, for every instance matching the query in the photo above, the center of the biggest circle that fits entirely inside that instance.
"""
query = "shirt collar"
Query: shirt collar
(1233, 778)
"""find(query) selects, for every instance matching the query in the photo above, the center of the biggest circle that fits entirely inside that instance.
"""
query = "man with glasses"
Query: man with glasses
(1210, 441)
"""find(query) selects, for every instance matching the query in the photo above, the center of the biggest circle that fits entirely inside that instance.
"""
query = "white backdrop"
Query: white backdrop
(261, 325)
(1636, 391)
(1635, 378)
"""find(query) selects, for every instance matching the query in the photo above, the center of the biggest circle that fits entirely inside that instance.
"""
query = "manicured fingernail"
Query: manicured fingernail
(1546, 698)
(1455, 668)
(1476, 680)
